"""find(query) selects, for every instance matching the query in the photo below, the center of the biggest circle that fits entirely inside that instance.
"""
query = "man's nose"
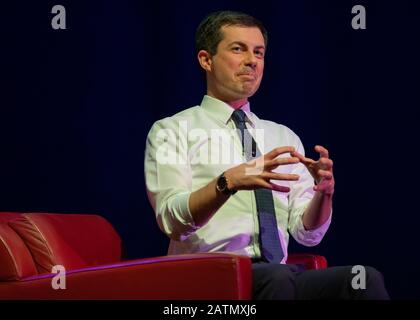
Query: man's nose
(251, 60)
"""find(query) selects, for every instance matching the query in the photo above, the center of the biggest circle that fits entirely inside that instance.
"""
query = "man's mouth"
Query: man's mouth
(248, 75)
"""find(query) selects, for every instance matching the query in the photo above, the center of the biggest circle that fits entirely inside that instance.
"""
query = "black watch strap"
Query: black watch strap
(222, 185)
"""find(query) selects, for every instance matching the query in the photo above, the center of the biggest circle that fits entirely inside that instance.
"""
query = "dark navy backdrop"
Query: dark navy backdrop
(76, 106)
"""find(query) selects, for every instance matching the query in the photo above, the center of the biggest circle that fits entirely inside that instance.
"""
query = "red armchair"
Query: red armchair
(90, 250)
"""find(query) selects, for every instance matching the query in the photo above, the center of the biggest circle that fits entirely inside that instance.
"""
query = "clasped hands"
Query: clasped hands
(258, 173)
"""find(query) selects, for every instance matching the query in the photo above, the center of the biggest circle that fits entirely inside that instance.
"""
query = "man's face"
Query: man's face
(236, 70)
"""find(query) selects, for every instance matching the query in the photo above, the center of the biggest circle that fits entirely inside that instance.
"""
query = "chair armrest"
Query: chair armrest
(309, 261)
(197, 276)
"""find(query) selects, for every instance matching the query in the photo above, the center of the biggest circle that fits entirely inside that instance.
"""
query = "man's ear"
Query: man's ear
(204, 58)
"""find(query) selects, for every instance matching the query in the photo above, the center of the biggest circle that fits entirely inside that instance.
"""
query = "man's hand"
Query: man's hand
(321, 170)
(239, 177)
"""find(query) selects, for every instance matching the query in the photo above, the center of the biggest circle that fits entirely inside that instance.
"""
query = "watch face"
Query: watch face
(221, 183)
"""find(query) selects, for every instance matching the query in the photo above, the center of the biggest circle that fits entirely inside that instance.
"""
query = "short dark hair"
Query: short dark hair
(208, 34)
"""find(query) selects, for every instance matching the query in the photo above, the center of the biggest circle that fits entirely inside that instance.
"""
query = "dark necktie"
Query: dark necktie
(270, 245)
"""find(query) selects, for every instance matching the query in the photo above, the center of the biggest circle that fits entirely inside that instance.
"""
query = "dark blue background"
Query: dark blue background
(77, 104)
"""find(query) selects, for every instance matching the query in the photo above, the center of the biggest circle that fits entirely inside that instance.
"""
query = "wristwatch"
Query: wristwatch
(222, 186)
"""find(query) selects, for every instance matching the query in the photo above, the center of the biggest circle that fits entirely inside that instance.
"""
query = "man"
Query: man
(249, 204)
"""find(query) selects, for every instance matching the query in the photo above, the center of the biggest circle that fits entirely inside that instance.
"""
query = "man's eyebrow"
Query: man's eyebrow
(245, 45)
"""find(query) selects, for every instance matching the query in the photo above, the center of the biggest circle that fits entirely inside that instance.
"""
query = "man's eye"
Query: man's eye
(259, 54)
(236, 49)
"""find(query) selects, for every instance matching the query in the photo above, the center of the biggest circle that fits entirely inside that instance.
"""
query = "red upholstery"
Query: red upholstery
(309, 261)
(90, 250)
(15, 259)
(201, 276)
(72, 240)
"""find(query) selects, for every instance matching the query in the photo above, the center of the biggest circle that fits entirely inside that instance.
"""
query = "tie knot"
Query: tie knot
(238, 116)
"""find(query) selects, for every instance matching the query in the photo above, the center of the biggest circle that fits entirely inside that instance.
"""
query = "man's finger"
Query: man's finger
(303, 159)
(326, 163)
(322, 151)
(272, 164)
(278, 151)
(322, 187)
(279, 188)
(325, 186)
(280, 176)
(325, 174)
(272, 186)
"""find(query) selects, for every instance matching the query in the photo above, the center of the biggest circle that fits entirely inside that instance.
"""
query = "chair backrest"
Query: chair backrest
(15, 258)
(72, 240)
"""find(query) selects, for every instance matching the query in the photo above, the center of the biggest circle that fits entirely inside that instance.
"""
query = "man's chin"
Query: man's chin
(249, 92)
(245, 94)
(249, 89)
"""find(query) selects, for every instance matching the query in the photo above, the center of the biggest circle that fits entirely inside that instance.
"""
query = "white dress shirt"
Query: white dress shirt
(185, 152)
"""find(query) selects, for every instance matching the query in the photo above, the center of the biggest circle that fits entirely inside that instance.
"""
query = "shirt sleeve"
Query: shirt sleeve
(301, 194)
(168, 179)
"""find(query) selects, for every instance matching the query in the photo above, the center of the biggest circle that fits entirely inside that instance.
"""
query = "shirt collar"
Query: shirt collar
(222, 111)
